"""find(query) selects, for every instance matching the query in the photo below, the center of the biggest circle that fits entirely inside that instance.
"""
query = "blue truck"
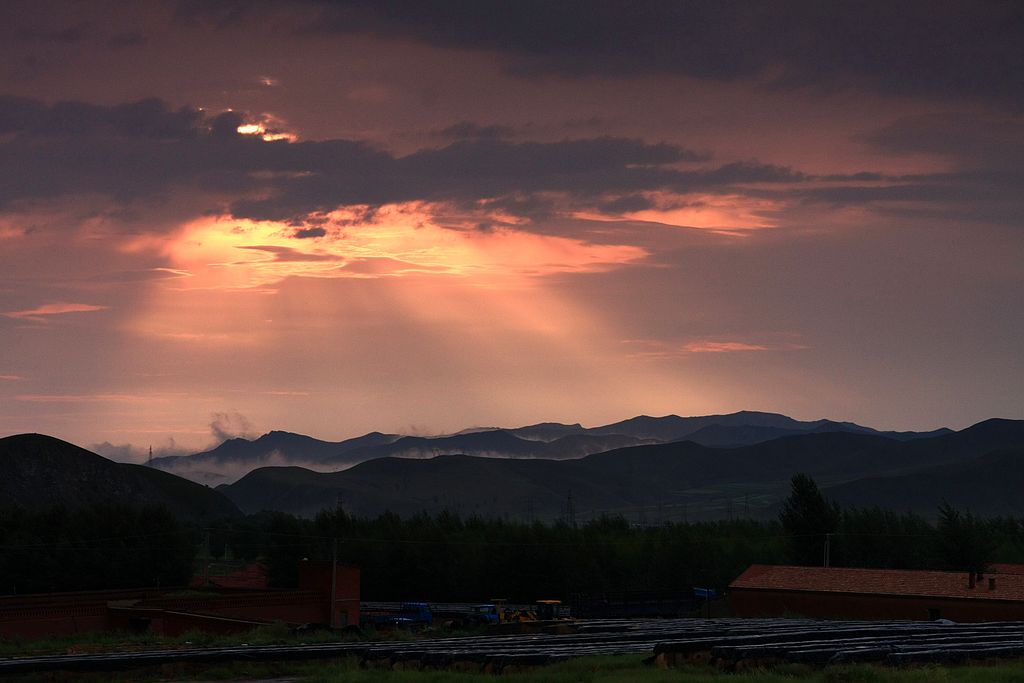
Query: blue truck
(483, 614)
(410, 616)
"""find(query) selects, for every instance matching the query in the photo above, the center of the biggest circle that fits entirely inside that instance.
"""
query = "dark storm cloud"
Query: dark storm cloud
(939, 48)
(968, 139)
(467, 130)
(984, 153)
(67, 35)
(150, 118)
(980, 189)
(627, 204)
(126, 39)
(145, 148)
(216, 13)
(307, 233)
(470, 171)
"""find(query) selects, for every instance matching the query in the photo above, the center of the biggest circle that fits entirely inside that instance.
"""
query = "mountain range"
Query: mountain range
(38, 471)
(550, 440)
(645, 469)
(678, 481)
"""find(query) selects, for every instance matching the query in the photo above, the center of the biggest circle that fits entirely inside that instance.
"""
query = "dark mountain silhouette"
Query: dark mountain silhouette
(742, 428)
(548, 431)
(235, 457)
(495, 443)
(39, 471)
(661, 481)
(549, 440)
(675, 428)
(988, 485)
(982, 470)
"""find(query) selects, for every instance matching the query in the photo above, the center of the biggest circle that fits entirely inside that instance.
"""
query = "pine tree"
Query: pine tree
(808, 519)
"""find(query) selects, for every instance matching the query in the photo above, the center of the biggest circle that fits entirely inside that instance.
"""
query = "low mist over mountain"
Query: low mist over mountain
(39, 471)
(549, 440)
(559, 476)
(674, 481)
(235, 457)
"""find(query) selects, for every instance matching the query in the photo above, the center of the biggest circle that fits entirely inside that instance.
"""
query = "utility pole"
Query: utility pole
(206, 559)
(334, 582)
(828, 543)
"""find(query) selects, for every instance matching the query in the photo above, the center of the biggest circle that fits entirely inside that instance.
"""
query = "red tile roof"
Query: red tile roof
(250, 577)
(1009, 586)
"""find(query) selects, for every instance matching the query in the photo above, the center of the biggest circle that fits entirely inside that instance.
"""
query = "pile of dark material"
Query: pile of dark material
(730, 643)
(748, 643)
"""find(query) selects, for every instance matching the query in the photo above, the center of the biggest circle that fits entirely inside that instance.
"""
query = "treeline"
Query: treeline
(449, 558)
(884, 539)
(446, 557)
(93, 548)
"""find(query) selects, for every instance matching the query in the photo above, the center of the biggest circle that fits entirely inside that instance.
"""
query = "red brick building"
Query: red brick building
(29, 617)
(845, 593)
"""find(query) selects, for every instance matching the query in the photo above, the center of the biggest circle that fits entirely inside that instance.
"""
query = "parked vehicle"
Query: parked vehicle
(410, 616)
(551, 610)
(542, 610)
(484, 614)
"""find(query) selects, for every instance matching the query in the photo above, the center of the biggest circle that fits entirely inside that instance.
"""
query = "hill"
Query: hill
(548, 440)
(987, 484)
(680, 480)
(236, 457)
(38, 471)
(496, 443)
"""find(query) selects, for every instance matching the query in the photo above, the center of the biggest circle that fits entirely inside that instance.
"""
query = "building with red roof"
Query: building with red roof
(849, 593)
(327, 593)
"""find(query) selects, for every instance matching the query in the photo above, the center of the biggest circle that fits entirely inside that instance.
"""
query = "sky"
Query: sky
(222, 218)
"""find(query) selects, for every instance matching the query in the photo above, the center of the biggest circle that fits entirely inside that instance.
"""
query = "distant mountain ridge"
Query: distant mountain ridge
(981, 468)
(990, 484)
(547, 440)
(39, 471)
(670, 481)
(236, 457)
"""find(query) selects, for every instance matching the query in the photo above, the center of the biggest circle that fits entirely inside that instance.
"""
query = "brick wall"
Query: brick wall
(750, 602)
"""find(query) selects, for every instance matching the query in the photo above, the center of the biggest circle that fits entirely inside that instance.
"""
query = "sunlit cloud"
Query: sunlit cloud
(80, 398)
(268, 127)
(723, 213)
(657, 349)
(223, 253)
(722, 347)
(11, 378)
(58, 308)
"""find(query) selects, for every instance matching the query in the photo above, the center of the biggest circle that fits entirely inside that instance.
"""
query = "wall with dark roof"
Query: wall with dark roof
(30, 617)
(759, 602)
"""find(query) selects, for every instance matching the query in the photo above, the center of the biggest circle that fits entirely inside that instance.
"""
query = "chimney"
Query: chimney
(991, 583)
(970, 580)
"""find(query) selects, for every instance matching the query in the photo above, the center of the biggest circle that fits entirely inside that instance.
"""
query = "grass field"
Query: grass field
(624, 669)
(615, 669)
(619, 669)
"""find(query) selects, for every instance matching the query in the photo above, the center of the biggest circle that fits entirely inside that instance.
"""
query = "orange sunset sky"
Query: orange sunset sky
(222, 218)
